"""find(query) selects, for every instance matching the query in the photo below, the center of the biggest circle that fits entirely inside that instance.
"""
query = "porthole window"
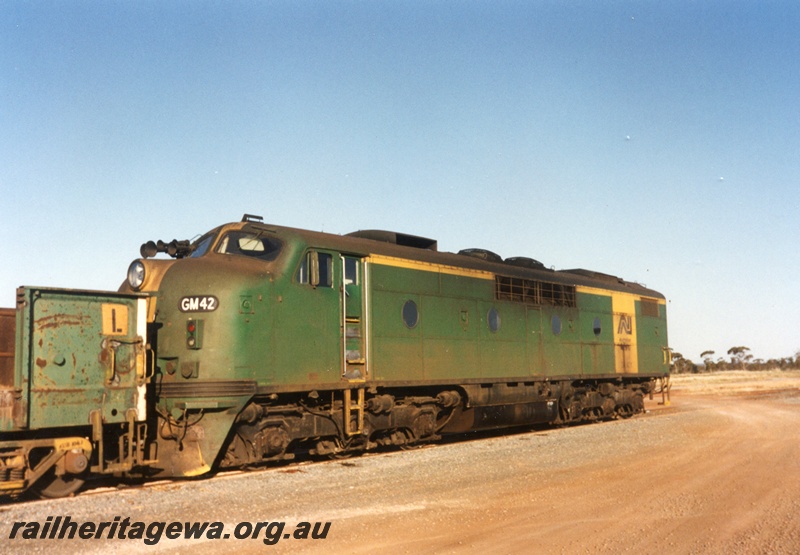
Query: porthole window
(410, 314)
(493, 320)
(596, 327)
(555, 325)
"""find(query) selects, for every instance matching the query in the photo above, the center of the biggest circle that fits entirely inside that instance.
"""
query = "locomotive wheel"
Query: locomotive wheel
(51, 486)
(411, 444)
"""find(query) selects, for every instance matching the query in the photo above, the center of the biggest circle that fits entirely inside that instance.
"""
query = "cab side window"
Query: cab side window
(350, 271)
(316, 269)
(325, 270)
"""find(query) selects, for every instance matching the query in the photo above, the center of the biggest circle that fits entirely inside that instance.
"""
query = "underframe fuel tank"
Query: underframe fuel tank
(75, 352)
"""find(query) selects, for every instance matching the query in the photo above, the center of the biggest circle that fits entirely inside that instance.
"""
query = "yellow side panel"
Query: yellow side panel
(626, 355)
(428, 267)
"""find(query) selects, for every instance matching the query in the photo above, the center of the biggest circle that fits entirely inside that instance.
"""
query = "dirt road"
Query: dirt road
(718, 471)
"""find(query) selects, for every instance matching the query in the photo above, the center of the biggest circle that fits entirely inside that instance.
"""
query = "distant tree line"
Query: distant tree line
(739, 358)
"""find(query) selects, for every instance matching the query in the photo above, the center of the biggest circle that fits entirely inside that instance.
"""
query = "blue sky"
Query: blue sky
(658, 141)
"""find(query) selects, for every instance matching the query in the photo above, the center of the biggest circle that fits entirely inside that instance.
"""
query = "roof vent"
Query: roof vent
(402, 239)
(483, 254)
(524, 262)
(596, 275)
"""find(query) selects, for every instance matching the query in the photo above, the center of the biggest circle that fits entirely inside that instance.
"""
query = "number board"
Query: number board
(199, 303)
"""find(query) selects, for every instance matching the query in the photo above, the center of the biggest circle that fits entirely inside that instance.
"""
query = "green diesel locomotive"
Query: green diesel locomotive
(257, 342)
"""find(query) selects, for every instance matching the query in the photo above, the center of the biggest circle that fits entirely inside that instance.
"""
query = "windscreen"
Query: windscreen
(250, 244)
(201, 246)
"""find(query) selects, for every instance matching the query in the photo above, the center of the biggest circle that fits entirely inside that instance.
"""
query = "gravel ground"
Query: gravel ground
(717, 471)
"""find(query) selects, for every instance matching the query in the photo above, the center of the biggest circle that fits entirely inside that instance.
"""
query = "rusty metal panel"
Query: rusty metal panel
(7, 335)
(81, 351)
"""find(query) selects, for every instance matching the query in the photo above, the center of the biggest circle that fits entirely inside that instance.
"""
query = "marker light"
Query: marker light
(193, 334)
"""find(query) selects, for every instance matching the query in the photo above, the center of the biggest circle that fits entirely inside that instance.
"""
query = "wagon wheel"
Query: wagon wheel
(51, 486)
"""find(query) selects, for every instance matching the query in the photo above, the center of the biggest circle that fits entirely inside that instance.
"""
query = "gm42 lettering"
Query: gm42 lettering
(205, 303)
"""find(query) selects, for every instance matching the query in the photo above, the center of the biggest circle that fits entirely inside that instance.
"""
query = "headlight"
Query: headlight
(136, 275)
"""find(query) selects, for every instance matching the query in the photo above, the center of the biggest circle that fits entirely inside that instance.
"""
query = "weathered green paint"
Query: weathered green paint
(503, 352)
(597, 349)
(651, 332)
(561, 352)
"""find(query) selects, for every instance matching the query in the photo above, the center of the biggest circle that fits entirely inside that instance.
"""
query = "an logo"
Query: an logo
(625, 324)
